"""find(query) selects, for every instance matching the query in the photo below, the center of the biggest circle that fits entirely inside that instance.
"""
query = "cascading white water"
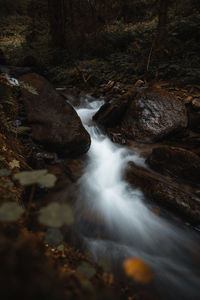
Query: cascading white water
(132, 229)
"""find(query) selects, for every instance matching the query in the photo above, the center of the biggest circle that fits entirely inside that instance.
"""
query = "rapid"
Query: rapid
(132, 229)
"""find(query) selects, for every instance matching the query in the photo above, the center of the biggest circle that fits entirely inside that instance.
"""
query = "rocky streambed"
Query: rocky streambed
(152, 120)
(161, 128)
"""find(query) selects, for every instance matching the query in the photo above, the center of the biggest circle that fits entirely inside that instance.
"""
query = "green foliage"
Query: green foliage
(56, 215)
(28, 87)
(40, 177)
(10, 212)
(10, 7)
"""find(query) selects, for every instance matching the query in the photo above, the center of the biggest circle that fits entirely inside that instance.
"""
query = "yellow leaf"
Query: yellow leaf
(14, 164)
(138, 270)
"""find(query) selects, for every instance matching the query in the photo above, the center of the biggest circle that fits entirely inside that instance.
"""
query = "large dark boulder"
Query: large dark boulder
(54, 122)
(153, 115)
(149, 115)
(164, 192)
(176, 162)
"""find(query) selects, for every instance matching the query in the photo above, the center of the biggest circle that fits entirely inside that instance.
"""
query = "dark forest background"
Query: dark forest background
(103, 39)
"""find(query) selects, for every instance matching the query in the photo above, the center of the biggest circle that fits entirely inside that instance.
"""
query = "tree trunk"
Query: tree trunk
(57, 19)
(162, 23)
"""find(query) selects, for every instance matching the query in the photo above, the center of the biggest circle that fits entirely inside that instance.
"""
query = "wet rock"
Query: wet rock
(74, 169)
(166, 193)
(111, 113)
(54, 122)
(153, 115)
(144, 114)
(116, 137)
(176, 162)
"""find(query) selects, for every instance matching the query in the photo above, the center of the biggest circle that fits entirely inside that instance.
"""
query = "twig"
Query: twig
(81, 73)
(150, 55)
(31, 196)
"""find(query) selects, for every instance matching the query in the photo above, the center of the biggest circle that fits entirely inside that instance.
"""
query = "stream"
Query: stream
(132, 229)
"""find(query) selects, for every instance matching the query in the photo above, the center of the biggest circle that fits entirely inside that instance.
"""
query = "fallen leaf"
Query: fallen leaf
(138, 270)
(14, 164)
(41, 177)
(56, 215)
(10, 211)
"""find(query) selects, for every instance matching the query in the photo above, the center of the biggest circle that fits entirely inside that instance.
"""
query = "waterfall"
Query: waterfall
(132, 229)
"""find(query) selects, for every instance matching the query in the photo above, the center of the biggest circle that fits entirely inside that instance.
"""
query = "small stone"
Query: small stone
(196, 104)
(17, 123)
(188, 99)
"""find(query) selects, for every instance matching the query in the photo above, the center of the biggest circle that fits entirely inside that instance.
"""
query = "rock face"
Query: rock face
(151, 115)
(55, 123)
(164, 192)
(176, 162)
(111, 113)
(154, 115)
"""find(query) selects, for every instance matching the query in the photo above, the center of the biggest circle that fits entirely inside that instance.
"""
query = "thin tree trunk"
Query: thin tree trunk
(162, 23)
(57, 20)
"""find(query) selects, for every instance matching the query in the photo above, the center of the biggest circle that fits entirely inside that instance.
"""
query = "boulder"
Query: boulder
(176, 162)
(165, 192)
(54, 122)
(153, 115)
(147, 115)
(110, 114)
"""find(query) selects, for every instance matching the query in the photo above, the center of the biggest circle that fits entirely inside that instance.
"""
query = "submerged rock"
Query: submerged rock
(176, 162)
(54, 122)
(165, 192)
(148, 116)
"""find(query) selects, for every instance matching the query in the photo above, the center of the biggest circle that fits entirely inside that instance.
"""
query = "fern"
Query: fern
(28, 87)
